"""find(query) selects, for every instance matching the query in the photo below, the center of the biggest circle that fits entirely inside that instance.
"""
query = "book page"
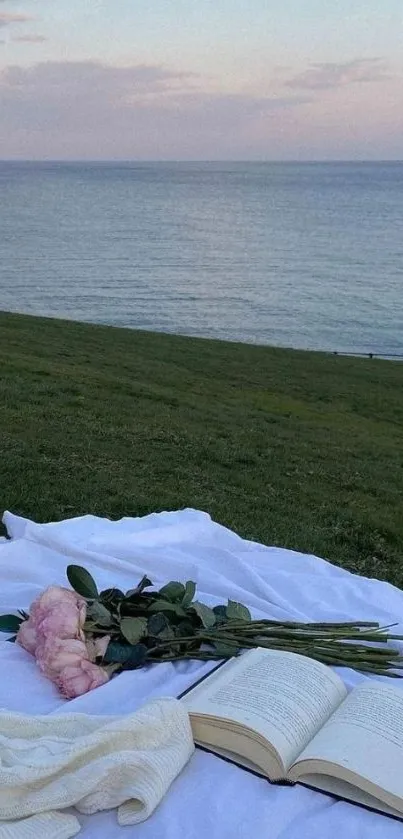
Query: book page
(365, 737)
(284, 697)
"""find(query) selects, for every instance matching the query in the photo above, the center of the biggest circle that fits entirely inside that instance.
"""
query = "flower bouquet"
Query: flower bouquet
(80, 637)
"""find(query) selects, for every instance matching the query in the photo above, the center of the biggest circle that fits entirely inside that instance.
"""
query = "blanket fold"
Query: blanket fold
(93, 763)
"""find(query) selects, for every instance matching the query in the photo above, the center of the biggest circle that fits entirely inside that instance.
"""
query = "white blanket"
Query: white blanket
(210, 798)
(50, 762)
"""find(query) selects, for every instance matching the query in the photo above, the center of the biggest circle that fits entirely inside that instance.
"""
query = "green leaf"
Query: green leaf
(137, 657)
(111, 596)
(81, 581)
(117, 653)
(167, 634)
(159, 627)
(133, 629)
(173, 591)
(236, 611)
(144, 583)
(184, 629)
(167, 606)
(10, 623)
(221, 614)
(157, 623)
(190, 591)
(100, 614)
(133, 608)
(205, 614)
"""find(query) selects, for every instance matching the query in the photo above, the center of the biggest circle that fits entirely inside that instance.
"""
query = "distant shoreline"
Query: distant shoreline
(218, 162)
(219, 341)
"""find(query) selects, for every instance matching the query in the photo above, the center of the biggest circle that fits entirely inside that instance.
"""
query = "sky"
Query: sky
(201, 79)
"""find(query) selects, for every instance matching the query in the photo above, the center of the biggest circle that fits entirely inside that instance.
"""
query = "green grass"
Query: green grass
(297, 449)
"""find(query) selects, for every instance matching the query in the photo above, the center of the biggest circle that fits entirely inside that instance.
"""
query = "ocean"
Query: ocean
(295, 255)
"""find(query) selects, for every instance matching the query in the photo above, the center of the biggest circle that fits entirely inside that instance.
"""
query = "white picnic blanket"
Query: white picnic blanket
(210, 798)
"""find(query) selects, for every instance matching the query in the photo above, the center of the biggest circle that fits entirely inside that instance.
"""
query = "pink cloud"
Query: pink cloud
(30, 39)
(90, 110)
(102, 89)
(7, 18)
(330, 75)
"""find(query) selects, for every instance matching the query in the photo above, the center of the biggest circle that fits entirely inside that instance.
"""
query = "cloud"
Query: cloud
(88, 79)
(328, 75)
(7, 18)
(90, 109)
(30, 39)
(100, 89)
(125, 90)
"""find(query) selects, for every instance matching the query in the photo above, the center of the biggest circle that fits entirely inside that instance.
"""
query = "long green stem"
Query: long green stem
(360, 645)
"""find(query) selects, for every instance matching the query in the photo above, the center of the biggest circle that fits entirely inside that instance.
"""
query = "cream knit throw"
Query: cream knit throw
(94, 763)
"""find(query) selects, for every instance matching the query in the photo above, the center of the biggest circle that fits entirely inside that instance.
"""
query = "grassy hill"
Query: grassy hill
(297, 449)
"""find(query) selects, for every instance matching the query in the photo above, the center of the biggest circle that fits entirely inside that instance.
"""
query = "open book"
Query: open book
(290, 718)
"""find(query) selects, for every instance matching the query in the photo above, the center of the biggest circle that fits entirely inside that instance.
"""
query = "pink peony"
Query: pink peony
(55, 654)
(77, 679)
(65, 621)
(53, 596)
(59, 611)
(27, 636)
(54, 633)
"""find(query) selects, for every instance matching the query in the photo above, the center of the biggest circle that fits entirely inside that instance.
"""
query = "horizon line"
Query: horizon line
(140, 161)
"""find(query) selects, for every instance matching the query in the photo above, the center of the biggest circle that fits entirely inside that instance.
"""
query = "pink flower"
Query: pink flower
(54, 633)
(64, 621)
(27, 636)
(77, 679)
(59, 612)
(53, 596)
(55, 654)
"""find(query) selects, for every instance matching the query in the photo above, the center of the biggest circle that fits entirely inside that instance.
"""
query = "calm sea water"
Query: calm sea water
(302, 255)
